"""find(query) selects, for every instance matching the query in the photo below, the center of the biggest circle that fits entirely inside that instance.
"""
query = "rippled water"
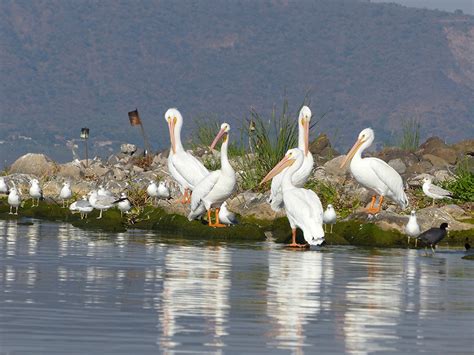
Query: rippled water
(64, 290)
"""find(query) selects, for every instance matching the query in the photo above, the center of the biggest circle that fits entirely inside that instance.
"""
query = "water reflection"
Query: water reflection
(67, 287)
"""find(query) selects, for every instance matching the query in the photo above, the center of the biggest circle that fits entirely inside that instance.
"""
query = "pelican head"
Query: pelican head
(365, 139)
(174, 118)
(303, 121)
(289, 159)
(223, 133)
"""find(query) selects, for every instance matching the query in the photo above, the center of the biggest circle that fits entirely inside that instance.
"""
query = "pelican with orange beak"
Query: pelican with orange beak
(375, 174)
(217, 186)
(301, 175)
(185, 169)
(303, 207)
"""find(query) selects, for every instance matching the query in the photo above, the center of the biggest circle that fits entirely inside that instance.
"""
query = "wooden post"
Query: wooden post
(135, 120)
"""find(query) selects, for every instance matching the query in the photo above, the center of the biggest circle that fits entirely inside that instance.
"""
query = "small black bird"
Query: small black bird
(434, 235)
(467, 246)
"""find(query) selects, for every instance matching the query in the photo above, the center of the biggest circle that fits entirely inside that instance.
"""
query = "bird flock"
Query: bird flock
(206, 191)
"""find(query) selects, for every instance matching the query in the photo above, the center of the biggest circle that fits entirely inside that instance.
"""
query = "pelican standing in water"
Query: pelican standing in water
(300, 176)
(185, 169)
(375, 174)
(217, 186)
(303, 207)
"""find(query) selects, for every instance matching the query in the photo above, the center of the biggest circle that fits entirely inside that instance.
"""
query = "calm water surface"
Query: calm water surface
(64, 290)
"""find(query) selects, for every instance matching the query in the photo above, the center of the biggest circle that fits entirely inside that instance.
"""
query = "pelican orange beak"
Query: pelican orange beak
(306, 136)
(352, 152)
(282, 165)
(222, 133)
(171, 125)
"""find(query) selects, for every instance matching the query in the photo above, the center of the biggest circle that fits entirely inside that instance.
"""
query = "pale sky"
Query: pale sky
(467, 6)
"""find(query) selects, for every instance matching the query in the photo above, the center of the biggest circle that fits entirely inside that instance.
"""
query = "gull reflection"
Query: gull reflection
(33, 235)
(374, 302)
(195, 289)
(11, 237)
(294, 294)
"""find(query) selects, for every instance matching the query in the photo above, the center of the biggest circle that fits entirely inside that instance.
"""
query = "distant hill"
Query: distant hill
(68, 64)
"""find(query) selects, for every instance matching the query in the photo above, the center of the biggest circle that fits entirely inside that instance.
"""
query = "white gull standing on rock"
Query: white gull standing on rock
(82, 206)
(14, 200)
(35, 192)
(163, 192)
(65, 194)
(329, 217)
(124, 204)
(227, 217)
(435, 192)
(412, 229)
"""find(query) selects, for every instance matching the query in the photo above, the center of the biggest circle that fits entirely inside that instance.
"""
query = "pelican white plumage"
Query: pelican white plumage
(433, 191)
(303, 207)
(412, 229)
(227, 217)
(14, 200)
(124, 204)
(82, 206)
(65, 193)
(217, 186)
(35, 192)
(3, 186)
(101, 202)
(185, 169)
(375, 174)
(301, 176)
(329, 217)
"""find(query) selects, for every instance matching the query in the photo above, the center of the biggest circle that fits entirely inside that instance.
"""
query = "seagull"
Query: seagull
(35, 192)
(163, 191)
(435, 192)
(65, 194)
(434, 235)
(227, 217)
(82, 206)
(329, 217)
(14, 200)
(185, 168)
(375, 174)
(303, 207)
(100, 202)
(217, 186)
(3, 186)
(152, 191)
(124, 204)
(412, 229)
(300, 176)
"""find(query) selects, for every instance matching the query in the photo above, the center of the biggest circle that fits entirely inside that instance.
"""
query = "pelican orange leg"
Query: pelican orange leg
(186, 197)
(293, 241)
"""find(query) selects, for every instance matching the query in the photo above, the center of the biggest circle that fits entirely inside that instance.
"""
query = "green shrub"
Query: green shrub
(462, 186)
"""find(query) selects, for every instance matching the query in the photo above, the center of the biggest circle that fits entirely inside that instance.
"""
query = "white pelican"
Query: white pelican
(303, 207)
(300, 176)
(435, 192)
(65, 193)
(3, 186)
(227, 217)
(217, 186)
(329, 217)
(14, 200)
(412, 229)
(185, 169)
(124, 204)
(82, 206)
(35, 192)
(375, 174)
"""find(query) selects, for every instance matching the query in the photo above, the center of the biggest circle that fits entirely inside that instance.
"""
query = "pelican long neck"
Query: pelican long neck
(225, 165)
(288, 175)
(301, 136)
(177, 136)
(358, 153)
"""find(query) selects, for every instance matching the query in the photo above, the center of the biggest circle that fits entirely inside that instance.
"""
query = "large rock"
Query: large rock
(69, 171)
(35, 164)
(436, 161)
(398, 165)
(419, 168)
(128, 148)
(448, 154)
(431, 144)
(465, 147)
(333, 167)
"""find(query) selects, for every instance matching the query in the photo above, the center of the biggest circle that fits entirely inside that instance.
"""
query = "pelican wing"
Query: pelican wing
(392, 180)
(436, 190)
(276, 196)
(203, 188)
(176, 175)
(189, 168)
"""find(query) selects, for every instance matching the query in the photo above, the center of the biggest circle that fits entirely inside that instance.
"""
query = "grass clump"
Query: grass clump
(410, 136)
(462, 186)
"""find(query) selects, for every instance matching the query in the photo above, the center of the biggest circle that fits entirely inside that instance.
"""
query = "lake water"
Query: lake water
(64, 290)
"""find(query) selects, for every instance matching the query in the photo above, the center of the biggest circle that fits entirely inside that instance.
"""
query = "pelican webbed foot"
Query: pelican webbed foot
(217, 224)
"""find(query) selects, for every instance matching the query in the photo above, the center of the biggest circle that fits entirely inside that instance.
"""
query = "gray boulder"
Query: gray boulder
(398, 165)
(34, 164)
(128, 148)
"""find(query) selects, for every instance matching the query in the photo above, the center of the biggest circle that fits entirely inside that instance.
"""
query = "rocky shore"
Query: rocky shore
(130, 171)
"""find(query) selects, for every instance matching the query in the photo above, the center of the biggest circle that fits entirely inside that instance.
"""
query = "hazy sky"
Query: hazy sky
(467, 6)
